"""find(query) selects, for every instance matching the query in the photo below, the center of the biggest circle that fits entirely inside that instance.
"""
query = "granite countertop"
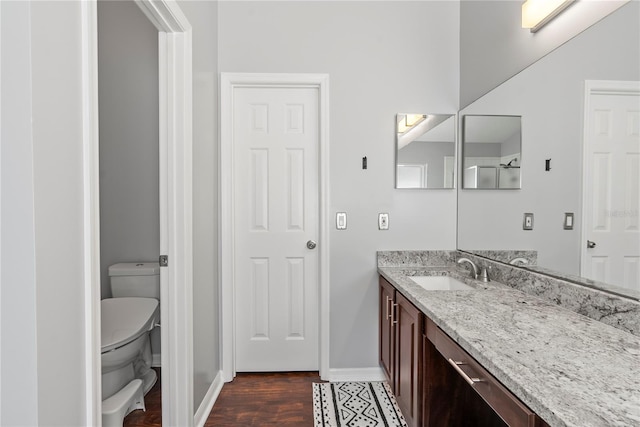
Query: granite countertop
(570, 369)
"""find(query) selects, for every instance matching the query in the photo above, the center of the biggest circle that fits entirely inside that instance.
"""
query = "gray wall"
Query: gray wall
(47, 285)
(380, 62)
(128, 98)
(494, 46)
(549, 95)
(203, 17)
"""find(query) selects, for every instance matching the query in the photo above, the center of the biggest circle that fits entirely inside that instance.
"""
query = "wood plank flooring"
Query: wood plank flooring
(153, 404)
(251, 399)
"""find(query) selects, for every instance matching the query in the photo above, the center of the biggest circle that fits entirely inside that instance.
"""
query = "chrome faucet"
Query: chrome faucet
(519, 260)
(474, 273)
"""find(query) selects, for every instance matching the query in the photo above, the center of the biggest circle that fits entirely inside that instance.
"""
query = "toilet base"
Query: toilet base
(148, 380)
(118, 406)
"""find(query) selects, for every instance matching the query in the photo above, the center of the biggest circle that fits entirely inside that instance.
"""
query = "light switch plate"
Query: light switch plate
(527, 223)
(383, 221)
(341, 220)
(568, 220)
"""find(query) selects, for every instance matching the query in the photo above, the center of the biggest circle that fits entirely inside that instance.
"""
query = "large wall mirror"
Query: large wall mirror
(426, 148)
(576, 194)
(491, 152)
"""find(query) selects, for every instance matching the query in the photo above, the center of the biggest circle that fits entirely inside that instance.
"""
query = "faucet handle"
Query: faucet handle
(484, 274)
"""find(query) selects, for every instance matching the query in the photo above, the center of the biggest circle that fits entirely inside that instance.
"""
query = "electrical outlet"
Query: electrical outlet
(383, 221)
(527, 223)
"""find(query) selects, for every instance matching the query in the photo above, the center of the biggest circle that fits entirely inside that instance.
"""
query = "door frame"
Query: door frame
(175, 143)
(591, 88)
(228, 83)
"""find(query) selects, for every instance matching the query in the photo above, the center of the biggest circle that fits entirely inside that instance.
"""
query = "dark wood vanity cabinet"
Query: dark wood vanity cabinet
(400, 350)
(408, 358)
(387, 301)
(435, 381)
(458, 391)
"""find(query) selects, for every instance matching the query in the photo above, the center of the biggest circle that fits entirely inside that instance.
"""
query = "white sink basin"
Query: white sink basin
(441, 283)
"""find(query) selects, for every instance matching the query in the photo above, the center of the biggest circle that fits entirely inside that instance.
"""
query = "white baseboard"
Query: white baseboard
(356, 374)
(207, 402)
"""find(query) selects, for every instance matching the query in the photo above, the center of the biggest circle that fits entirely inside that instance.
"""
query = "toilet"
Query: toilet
(127, 320)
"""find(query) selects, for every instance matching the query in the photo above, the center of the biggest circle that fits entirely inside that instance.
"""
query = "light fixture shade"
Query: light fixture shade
(536, 13)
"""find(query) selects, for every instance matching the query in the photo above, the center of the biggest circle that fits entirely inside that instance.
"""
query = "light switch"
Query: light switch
(383, 221)
(527, 223)
(341, 220)
(568, 220)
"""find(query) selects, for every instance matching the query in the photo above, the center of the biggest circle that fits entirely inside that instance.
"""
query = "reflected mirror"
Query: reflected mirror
(426, 147)
(491, 152)
(569, 101)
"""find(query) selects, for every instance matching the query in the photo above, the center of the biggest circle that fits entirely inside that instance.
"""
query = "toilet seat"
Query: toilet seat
(125, 319)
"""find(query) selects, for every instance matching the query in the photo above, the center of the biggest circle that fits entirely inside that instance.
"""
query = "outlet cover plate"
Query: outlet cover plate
(341, 220)
(527, 223)
(383, 221)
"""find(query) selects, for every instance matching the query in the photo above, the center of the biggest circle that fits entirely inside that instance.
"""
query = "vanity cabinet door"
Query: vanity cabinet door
(408, 363)
(387, 299)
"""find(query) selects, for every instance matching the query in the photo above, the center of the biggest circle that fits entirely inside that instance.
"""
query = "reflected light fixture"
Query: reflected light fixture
(408, 121)
(536, 13)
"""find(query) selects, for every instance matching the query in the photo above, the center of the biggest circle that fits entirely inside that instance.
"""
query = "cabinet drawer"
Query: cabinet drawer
(503, 402)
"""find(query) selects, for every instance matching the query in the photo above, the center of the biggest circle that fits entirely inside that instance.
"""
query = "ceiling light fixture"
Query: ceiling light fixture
(536, 13)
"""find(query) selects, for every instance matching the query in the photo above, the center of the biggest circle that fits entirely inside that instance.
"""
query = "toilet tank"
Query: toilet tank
(135, 279)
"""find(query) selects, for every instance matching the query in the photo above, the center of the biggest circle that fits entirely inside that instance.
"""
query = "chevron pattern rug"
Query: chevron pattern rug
(355, 404)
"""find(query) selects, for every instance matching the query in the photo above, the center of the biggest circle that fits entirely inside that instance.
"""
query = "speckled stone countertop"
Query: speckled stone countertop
(570, 369)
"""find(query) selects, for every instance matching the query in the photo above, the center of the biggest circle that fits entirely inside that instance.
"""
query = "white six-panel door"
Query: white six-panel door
(612, 187)
(275, 152)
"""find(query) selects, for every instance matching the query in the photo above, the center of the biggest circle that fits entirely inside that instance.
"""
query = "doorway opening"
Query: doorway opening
(175, 140)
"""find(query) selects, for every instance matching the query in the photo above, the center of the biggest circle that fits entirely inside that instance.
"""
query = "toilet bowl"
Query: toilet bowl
(126, 355)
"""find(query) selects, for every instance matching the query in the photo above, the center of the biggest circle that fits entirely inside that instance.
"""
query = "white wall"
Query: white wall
(43, 370)
(18, 369)
(58, 207)
(381, 60)
(128, 108)
(549, 95)
(203, 18)
(495, 47)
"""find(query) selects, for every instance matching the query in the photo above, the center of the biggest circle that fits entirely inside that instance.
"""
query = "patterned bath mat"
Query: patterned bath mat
(355, 404)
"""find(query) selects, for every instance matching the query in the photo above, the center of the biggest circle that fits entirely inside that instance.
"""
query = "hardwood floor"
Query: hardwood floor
(265, 399)
(251, 399)
(153, 414)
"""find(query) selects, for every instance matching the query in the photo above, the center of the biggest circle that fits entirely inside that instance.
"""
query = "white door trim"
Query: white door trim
(228, 83)
(175, 74)
(91, 213)
(595, 87)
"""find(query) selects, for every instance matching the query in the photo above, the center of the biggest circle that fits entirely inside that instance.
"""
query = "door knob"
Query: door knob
(311, 244)
(590, 244)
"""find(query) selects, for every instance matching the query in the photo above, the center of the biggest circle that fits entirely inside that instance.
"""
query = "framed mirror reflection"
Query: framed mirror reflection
(425, 151)
(492, 152)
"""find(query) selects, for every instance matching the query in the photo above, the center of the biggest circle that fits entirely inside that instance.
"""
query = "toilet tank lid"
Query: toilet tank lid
(135, 269)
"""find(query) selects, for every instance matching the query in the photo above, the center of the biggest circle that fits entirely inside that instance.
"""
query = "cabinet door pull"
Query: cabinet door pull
(388, 314)
(456, 366)
(394, 314)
